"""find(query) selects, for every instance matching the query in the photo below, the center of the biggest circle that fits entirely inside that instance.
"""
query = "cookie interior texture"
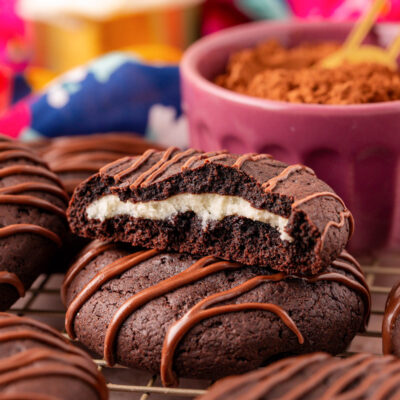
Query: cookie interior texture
(203, 317)
(32, 219)
(315, 376)
(37, 362)
(247, 208)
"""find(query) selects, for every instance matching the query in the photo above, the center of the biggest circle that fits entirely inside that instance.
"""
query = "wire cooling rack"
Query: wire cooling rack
(43, 302)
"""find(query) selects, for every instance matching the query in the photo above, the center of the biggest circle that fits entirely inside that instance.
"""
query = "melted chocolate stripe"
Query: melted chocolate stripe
(10, 278)
(199, 270)
(29, 228)
(32, 201)
(316, 195)
(249, 157)
(344, 381)
(37, 336)
(163, 167)
(118, 144)
(136, 165)
(46, 370)
(384, 390)
(87, 255)
(231, 384)
(48, 332)
(33, 355)
(188, 164)
(288, 372)
(109, 272)
(61, 358)
(87, 162)
(364, 386)
(159, 164)
(12, 145)
(103, 169)
(392, 312)
(15, 154)
(343, 215)
(200, 311)
(271, 184)
(35, 186)
(217, 157)
(22, 169)
(321, 375)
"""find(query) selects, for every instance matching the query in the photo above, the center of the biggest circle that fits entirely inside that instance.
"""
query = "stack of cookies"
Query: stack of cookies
(211, 264)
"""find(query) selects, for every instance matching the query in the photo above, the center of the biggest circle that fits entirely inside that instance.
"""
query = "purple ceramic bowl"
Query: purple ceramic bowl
(355, 148)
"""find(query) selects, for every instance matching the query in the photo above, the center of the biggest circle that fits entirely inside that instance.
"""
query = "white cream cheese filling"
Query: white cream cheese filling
(207, 207)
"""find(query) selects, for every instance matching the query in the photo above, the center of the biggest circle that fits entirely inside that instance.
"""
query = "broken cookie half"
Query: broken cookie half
(248, 208)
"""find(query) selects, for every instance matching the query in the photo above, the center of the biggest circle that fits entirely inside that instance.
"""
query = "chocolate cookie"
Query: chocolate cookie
(391, 323)
(75, 158)
(315, 376)
(251, 208)
(205, 317)
(32, 219)
(38, 363)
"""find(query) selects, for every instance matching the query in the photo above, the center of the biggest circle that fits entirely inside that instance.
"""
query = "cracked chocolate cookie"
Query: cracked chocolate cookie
(32, 219)
(205, 317)
(38, 363)
(249, 208)
(315, 376)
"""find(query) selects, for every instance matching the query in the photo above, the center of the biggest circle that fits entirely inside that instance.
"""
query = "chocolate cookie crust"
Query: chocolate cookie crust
(315, 376)
(38, 363)
(32, 219)
(301, 225)
(204, 317)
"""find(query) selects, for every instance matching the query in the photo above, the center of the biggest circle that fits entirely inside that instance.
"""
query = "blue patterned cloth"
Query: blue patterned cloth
(117, 92)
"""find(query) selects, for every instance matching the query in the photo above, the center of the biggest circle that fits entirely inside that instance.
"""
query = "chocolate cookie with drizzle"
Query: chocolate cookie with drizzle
(250, 208)
(75, 158)
(205, 317)
(391, 323)
(315, 376)
(32, 219)
(38, 363)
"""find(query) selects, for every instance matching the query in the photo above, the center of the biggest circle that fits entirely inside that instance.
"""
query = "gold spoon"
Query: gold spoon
(352, 52)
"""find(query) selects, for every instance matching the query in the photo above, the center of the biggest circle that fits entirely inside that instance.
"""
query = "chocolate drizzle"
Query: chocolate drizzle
(78, 156)
(59, 358)
(376, 378)
(10, 278)
(18, 195)
(392, 312)
(271, 184)
(250, 157)
(206, 308)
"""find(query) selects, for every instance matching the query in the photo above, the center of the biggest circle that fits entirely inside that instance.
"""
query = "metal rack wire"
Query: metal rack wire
(43, 302)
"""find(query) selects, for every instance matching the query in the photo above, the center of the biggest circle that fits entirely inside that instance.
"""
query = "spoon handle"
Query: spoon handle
(394, 48)
(363, 26)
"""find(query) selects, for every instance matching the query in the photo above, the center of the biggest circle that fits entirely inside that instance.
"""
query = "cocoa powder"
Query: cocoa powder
(273, 72)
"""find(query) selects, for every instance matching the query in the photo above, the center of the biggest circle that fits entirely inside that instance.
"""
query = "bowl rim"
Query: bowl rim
(192, 56)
